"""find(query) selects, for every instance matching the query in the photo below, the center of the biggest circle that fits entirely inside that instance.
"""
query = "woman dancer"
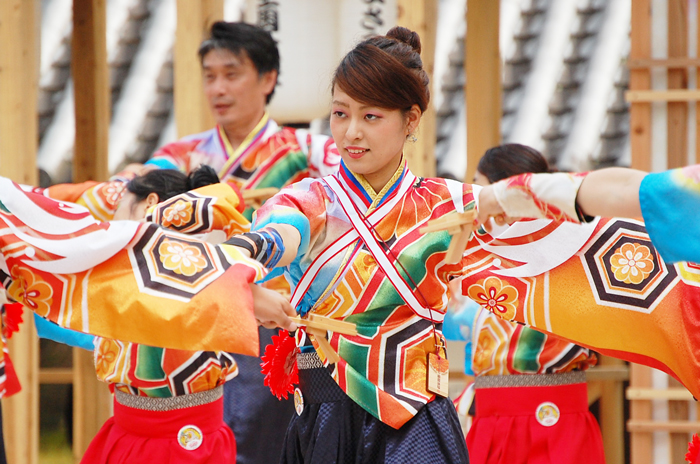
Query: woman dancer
(352, 247)
(538, 373)
(168, 403)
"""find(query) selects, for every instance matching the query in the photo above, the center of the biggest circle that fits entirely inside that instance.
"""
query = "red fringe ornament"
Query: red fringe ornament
(12, 318)
(279, 365)
(693, 450)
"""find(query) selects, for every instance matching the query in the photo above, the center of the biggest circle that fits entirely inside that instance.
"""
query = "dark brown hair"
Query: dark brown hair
(239, 38)
(386, 72)
(166, 183)
(511, 159)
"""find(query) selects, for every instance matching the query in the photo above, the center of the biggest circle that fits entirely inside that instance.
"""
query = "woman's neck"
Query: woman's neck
(378, 180)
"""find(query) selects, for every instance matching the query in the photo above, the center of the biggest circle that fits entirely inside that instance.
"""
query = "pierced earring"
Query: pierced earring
(412, 138)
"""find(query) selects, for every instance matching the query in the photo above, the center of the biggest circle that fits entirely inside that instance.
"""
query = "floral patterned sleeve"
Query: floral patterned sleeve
(214, 210)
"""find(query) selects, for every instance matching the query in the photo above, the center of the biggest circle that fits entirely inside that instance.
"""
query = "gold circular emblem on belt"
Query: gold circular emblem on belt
(190, 437)
(547, 414)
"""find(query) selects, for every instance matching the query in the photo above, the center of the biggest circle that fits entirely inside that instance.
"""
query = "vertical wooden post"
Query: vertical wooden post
(640, 79)
(678, 411)
(194, 18)
(92, 402)
(612, 416)
(483, 92)
(483, 70)
(91, 83)
(697, 104)
(641, 443)
(677, 119)
(91, 398)
(421, 16)
(19, 64)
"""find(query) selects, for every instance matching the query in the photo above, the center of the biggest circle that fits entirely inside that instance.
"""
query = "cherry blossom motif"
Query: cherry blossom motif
(495, 296)
(178, 214)
(105, 357)
(30, 290)
(113, 192)
(181, 258)
(632, 263)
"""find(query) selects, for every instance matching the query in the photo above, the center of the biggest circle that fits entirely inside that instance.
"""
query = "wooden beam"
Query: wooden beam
(91, 398)
(678, 95)
(658, 394)
(679, 62)
(641, 441)
(650, 426)
(483, 88)
(56, 375)
(92, 402)
(679, 411)
(697, 104)
(19, 64)
(612, 414)
(194, 18)
(92, 95)
(677, 113)
(421, 17)
(640, 79)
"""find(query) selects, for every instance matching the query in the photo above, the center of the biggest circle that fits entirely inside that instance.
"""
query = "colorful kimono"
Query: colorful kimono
(209, 212)
(614, 294)
(90, 276)
(383, 369)
(270, 156)
(501, 347)
(561, 278)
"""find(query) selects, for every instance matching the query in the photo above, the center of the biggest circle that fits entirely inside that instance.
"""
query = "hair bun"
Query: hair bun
(405, 35)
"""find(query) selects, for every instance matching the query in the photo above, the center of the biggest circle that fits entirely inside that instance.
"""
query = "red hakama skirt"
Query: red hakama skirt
(534, 425)
(194, 435)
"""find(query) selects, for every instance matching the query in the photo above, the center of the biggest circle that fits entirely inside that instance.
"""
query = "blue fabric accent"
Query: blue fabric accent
(351, 177)
(459, 325)
(49, 330)
(670, 203)
(160, 163)
(274, 247)
(296, 220)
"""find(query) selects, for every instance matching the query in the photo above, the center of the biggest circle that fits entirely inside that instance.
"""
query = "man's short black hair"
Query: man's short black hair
(257, 43)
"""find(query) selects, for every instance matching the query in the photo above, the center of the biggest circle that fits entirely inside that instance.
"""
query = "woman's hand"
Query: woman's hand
(272, 309)
(490, 208)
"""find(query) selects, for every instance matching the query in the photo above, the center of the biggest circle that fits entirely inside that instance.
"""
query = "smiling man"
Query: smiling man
(240, 66)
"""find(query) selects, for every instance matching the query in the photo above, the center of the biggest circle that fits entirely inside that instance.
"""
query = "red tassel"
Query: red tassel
(279, 365)
(693, 450)
(12, 318)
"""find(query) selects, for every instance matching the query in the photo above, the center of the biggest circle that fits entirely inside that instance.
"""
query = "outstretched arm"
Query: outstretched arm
(611, 192)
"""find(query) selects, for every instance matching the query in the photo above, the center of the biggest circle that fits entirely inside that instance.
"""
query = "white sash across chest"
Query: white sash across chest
(361, 230)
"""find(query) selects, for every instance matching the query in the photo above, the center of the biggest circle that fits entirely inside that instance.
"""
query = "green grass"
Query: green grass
(54, 448)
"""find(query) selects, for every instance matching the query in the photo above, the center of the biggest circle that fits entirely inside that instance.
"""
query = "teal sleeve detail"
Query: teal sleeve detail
(51, 331)
(289, 217)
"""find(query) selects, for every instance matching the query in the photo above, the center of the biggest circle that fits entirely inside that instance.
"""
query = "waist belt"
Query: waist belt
(147, 403)
(529, 380)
